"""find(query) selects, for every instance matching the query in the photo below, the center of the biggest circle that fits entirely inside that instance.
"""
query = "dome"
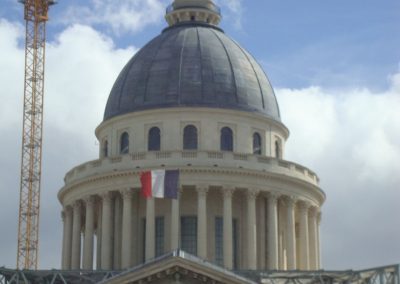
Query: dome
(179, 176)
(192, 65)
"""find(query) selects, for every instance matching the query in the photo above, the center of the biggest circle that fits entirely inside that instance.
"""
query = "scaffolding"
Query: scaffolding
(380, 275)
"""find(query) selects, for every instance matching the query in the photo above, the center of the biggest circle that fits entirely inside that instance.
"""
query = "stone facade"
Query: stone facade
(276, 203)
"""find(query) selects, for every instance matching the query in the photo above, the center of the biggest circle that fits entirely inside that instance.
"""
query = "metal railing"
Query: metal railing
(378, 275)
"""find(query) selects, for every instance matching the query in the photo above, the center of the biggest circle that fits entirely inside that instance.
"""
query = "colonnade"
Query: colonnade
(280, 232)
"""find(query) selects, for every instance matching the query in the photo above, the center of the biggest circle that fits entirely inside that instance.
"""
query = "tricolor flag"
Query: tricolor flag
(160, 183)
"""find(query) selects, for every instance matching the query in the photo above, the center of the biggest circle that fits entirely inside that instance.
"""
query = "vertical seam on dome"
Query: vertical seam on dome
(151, 65)
(180, 67)
(230, 64)
(201, 63)
(276, 100)
(254, 70)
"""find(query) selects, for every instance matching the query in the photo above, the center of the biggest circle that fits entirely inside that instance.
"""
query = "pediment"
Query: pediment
(178, 267)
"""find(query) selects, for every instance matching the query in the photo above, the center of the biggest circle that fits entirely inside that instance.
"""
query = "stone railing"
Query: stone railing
(160, 159)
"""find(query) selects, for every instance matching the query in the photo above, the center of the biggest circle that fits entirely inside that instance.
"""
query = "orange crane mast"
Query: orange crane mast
(36, 16)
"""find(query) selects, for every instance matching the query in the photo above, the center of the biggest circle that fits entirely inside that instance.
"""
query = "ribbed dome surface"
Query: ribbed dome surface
(192, 65)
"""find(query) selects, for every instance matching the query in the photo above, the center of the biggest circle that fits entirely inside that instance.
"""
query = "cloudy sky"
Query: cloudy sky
(335, 69)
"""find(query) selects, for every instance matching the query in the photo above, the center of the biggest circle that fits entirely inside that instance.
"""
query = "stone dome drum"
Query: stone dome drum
(192, 65)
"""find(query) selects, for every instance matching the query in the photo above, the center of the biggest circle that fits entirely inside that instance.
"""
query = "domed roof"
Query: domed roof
(192, 65)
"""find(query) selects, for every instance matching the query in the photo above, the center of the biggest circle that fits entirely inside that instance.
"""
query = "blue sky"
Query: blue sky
(335, 69)
(351, 43)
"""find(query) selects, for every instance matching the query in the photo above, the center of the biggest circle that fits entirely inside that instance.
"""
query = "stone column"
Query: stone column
(126, 251)
(175, 220)
(64, 239)
(313, 238)
(281, 236)
(291, 233)
(68, 238)
(150, 250)
(304, 238)
(117, 232)
(319, 240)
(106, 231)
(89, 234)
(98, 234)
(228, 228)
(273, 231)
(76, 236)
(251, 230)
(202, 221)
(261, 232)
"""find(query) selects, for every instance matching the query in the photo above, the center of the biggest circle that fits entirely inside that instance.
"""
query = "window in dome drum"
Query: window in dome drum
(226, 139)
(105, 148)
(154, 139)
(278, 148)
(124, 144)
(257, 144)
(190, 138)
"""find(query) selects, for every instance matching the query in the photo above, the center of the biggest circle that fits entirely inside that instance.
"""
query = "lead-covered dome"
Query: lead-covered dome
(192, 65)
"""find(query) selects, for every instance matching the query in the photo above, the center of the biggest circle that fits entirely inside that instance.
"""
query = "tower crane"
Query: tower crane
(36, 16)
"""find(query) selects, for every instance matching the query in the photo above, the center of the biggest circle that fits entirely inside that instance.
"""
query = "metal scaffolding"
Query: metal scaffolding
(380, 275)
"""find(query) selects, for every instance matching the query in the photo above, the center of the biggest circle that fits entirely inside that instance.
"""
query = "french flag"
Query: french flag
(160, 184)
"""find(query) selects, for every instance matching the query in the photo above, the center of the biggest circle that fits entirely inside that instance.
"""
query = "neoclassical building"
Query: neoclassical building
(195, 100)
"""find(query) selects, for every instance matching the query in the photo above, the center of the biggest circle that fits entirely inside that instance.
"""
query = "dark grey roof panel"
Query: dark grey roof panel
(192, 66)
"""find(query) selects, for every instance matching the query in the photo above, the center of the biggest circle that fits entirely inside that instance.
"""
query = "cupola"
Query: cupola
(204, 11)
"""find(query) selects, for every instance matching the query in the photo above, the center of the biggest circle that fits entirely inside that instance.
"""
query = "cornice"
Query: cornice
(267, 176)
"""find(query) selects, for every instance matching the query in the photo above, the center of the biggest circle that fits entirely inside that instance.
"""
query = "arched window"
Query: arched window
(154, 142)
(278, 150)
(105, 148)
(124, 143)
(257, 144)
(190, 138)
(226, 139)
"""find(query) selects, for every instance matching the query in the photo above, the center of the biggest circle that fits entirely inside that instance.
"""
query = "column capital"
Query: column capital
(290, 200)
(106, 196)
(252, 193)
(67, 207)
(77, 204)
(227, 191)
(304, 206)
(180, 190)
(273, 196)
(313, 210)
(202, 189)
(126, 193)
(89, 200)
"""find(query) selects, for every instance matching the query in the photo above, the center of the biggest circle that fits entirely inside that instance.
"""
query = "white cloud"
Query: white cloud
(232, 10)
(123, 16)
(349, 137)
(82, 65)
(129, 16)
